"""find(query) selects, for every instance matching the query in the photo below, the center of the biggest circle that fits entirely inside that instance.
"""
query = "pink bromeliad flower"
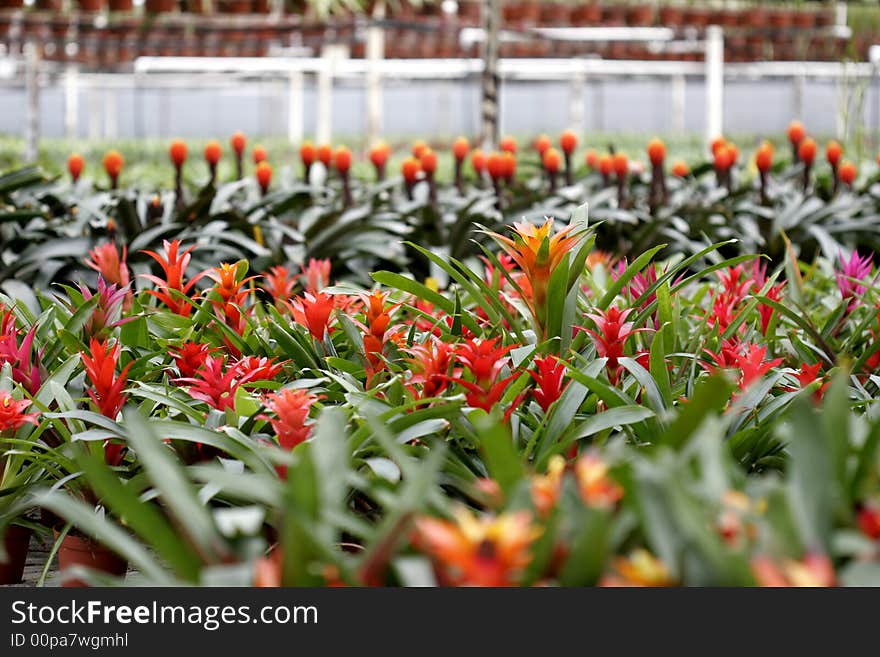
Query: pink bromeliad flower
(107, 314)
(613, 332)
(851, 271)
(27, 368)
(316, 274)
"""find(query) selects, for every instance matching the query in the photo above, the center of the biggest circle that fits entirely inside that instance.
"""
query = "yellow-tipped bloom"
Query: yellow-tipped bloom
(537, 252)
(546, 488)
(478, 551)
(640, 568)
(596, 487)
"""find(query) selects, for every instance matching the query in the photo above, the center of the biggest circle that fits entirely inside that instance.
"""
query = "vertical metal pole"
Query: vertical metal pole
(111, 119)
(375, 51)
(714, 82)
(330, 54)
(798, 82)
(295, 106)
(491, 87)
(95, 114)
(32, 90)
(576, 102)
(679, 94)
(71, 100)
(599, 104)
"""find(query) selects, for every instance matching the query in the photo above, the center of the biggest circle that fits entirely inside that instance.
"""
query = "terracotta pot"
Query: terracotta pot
(90, 5)
(159, 6)
(120, 5)
(756, 17)
(640, 16)
(233, 6)
(11, 4)
(555, 13)
(804, 19)
(780, 18)
(696, 16)
(16, 542)
(824, 18)
(613, 15)
(81, 551)
(586, 14)
(261, 7)
(671, 16)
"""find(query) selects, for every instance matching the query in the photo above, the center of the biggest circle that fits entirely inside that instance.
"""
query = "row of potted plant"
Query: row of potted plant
(550, 414)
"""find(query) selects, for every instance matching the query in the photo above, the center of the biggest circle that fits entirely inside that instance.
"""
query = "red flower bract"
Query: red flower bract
(106, 387)
(215, 384)
(313, 311)
(548, 381)
(190, 357)
(12, 414)
(174, 264)
(291, 408)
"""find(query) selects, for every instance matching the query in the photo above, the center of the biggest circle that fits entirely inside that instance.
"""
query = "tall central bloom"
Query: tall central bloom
(479, 551)
(537, 252)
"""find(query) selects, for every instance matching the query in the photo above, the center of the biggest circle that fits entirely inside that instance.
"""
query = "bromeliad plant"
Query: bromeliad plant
(548, 414)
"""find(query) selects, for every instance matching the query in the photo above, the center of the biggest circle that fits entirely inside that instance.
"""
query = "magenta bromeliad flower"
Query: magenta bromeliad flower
(107, 314)
(855, 269)
(27, 368)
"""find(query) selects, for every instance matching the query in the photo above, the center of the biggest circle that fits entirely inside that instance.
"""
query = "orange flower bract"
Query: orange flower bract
(259, 154)
(264, 175)
(656, 151)
(113, 162)
(479, 551)
(460, 148)
(342, 159)
(568, 141)
(213, 152)
(551, 160)
(75, 165)
(177, 152)
(238, 142)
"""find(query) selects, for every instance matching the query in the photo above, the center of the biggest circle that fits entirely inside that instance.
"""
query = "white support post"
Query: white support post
(71, 100)
(95, 112)
(295, 121)
(798, 83)
(111, 120)
(714, 82)
(330, 55)
(679, 94)
(32, 107)
(576, 102)
(375, 52)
